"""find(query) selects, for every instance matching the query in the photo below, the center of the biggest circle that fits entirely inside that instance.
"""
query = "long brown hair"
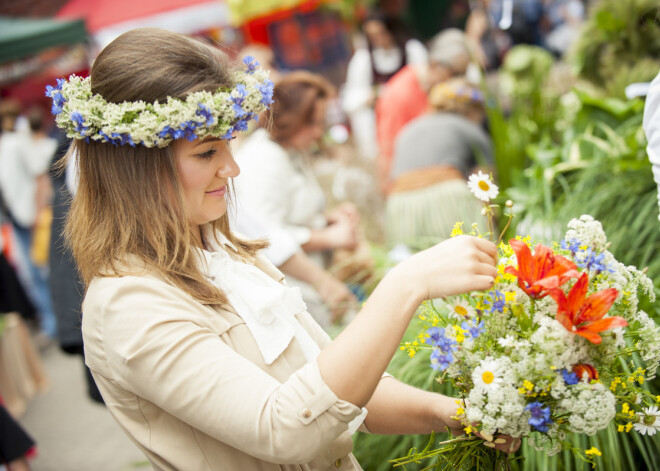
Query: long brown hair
(295, 97)
(129, 204)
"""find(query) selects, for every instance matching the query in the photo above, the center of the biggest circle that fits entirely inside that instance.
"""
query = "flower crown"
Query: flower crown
(89, 117)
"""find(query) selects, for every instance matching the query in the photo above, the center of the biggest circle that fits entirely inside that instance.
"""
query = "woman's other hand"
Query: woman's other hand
(454, 266)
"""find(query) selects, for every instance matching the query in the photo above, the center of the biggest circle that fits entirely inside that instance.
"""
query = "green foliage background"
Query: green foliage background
(563, 151)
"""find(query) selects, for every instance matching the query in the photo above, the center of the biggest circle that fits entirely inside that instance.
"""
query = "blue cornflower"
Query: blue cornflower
(572, 245)
(496, 301)
(205, 112)
(229, 135)
(593, 261)
(166, 131)
(440, 360)
(437, 339)
(540, 418)
(570, 378)
(251, 63)
(473, 330)
(266, 90)
(241, 124)
(79, 119)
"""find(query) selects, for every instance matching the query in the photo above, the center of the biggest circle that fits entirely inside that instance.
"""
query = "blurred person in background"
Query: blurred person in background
(561, 24)
(278, 180)
(386, 50)
(405, 96)
(25, 156)
(433, 156)
(651, 126)
(16, 446)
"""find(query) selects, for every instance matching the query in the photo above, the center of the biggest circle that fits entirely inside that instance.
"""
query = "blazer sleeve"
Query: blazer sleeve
(156, 351)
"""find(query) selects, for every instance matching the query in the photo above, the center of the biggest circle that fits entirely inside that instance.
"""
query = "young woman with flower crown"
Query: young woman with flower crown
(202, 355)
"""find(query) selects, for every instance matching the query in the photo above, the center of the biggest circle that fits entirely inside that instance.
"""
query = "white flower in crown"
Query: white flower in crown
(222, 113)
(482, 186)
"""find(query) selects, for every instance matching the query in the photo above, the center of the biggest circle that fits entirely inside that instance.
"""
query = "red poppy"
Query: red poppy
(582, 314)
(542, 271)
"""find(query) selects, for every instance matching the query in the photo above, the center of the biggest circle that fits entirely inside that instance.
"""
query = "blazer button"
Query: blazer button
(338, 463)
(306, 413)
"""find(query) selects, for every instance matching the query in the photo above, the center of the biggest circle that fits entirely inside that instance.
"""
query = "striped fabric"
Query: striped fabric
(421, 218)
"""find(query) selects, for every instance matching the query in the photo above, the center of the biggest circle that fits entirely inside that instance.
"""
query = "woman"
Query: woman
(433, 157)
(278, 178)
(202, 356)
(387, 50)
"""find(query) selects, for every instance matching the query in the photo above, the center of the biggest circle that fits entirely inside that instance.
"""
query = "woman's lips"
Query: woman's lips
(218, 192)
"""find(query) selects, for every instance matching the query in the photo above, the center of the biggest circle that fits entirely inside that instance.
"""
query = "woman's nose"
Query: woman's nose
(228, 168)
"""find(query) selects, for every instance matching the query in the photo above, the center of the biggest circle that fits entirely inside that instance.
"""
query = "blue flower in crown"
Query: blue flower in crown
(266, 89)
(251, 64)
(79, 121)
(206, 113)
(56, 95)
(238, 97)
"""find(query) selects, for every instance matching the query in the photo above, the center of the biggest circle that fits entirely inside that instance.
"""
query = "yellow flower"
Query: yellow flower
(411, 353)
(528, 385)
(460, 411)
(457, 229)
(468, 430)
(629, 425)
(620, 428)
(593, 451)
(625, 408)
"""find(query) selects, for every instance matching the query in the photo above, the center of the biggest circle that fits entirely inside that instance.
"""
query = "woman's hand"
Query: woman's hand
(335, 294)
(505, 443)
(342, 234)
(454, 266)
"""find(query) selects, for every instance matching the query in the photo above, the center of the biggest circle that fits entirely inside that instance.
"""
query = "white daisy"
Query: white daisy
(461, 309)
(649, 421)
(482, 186)
(487, 376)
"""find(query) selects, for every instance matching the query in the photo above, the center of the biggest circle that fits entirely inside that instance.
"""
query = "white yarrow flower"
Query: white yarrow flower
(482, 186)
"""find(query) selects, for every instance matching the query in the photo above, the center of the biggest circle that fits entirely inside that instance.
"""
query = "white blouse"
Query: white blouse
(280, 185)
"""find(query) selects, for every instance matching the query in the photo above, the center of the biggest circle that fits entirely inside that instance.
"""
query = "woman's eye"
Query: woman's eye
(208, 154)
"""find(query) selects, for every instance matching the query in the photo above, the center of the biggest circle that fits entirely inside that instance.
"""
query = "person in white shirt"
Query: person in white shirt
(279, 180)
(652, 128)
(25, 156)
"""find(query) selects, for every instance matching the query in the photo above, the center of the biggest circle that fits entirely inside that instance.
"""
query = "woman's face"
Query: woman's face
(312, 131)
(204, 167)
(378, 35)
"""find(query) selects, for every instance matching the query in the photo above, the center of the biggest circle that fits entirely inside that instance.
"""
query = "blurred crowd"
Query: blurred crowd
(410, 115)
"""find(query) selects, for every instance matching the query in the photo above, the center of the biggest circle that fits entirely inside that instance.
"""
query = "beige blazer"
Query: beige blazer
(189, 386)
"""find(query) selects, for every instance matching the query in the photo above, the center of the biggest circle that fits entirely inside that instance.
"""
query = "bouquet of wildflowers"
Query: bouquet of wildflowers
(557, 346)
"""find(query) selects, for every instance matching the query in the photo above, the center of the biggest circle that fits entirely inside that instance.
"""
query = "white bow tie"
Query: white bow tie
(267, 307)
